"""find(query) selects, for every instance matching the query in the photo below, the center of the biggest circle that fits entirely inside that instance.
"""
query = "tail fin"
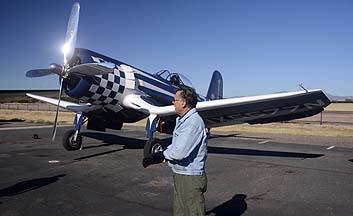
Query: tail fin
(215, 90)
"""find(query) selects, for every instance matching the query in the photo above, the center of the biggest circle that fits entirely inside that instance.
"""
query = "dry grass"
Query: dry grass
(326, 130)
(340, 107)
(41, 117)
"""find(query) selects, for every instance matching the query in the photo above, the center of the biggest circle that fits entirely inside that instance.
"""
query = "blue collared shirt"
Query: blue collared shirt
(188, 152)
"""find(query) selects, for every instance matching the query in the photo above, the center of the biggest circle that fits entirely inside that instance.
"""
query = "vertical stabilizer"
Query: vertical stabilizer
(215, 90)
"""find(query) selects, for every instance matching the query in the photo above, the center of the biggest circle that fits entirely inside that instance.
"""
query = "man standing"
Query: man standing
(186, 155)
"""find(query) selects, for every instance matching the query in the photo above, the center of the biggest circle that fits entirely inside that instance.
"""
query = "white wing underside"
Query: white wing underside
(137, 103)
(74, 107)
(252, 110)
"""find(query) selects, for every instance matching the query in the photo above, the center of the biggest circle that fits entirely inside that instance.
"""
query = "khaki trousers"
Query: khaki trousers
(189, 194)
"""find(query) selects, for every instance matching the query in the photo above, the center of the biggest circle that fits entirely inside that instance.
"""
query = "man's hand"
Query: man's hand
(154, 158)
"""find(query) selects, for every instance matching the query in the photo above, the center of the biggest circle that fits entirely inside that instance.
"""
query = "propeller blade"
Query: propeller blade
(38, 73)
(71, 33)
(57, 111)
(53, 69)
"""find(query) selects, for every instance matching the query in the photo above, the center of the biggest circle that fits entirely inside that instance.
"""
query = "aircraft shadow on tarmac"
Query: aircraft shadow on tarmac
(135, 143)
(235, 206)
(113, 139)
(9, 121)
(213, 136)
(25, 186)
(351, 160)
(252, 152)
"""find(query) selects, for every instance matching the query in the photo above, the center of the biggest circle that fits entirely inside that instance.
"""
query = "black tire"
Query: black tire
(153, 145)
(68, 142)
(208, 133)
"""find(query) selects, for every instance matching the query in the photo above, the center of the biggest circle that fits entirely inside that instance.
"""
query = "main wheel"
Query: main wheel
(153, 145)
(69, 143)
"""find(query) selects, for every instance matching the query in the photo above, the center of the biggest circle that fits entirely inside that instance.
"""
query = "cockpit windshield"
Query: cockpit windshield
(174, 78)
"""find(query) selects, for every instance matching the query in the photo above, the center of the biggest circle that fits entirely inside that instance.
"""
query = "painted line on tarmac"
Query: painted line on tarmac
(331, 147)
(32, 127)
(263, 142)
(53, 161)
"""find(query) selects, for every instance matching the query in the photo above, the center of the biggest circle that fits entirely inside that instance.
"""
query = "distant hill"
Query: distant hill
(10, 96)
(339, 98)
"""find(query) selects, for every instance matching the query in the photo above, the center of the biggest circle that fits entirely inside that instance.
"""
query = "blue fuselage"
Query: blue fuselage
(109, 90)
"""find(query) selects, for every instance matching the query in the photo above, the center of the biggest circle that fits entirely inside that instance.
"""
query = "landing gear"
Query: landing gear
(153, 145)
(71, 140)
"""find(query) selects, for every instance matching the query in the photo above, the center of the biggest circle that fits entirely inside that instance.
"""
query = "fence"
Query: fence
(31, 107)
(335, 117)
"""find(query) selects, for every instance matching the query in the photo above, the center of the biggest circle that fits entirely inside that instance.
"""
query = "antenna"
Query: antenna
(301, 85)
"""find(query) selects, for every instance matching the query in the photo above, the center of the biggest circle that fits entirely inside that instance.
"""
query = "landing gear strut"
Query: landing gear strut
(153, 145)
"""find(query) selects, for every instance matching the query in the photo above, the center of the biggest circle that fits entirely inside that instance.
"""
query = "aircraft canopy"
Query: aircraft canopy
(174, 78)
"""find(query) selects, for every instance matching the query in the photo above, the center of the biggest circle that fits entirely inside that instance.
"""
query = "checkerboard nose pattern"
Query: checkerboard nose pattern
(107, 89)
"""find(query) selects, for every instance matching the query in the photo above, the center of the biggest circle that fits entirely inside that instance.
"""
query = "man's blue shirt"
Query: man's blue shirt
(188, 152)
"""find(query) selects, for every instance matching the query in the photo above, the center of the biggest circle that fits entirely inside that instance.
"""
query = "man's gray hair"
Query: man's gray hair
(189, 95)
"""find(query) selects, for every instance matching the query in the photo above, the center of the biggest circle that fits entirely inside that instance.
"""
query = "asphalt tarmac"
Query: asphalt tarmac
(246, 176)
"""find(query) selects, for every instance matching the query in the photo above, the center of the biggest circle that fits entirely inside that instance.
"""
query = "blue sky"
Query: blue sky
(259, 46)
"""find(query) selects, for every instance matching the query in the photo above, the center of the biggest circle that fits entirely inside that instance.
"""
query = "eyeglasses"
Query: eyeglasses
(177, 100)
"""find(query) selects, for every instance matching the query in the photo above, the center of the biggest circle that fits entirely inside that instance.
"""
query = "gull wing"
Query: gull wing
(253, 110)
(74, 107)
(147, 105)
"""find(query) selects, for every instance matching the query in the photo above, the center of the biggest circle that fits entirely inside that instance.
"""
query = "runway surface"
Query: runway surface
(246, 176)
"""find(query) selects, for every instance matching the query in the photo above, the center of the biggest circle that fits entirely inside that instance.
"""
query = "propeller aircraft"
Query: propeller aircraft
(114, 93)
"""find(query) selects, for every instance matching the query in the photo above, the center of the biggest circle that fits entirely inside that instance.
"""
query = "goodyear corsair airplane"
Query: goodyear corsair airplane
(114, 92)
